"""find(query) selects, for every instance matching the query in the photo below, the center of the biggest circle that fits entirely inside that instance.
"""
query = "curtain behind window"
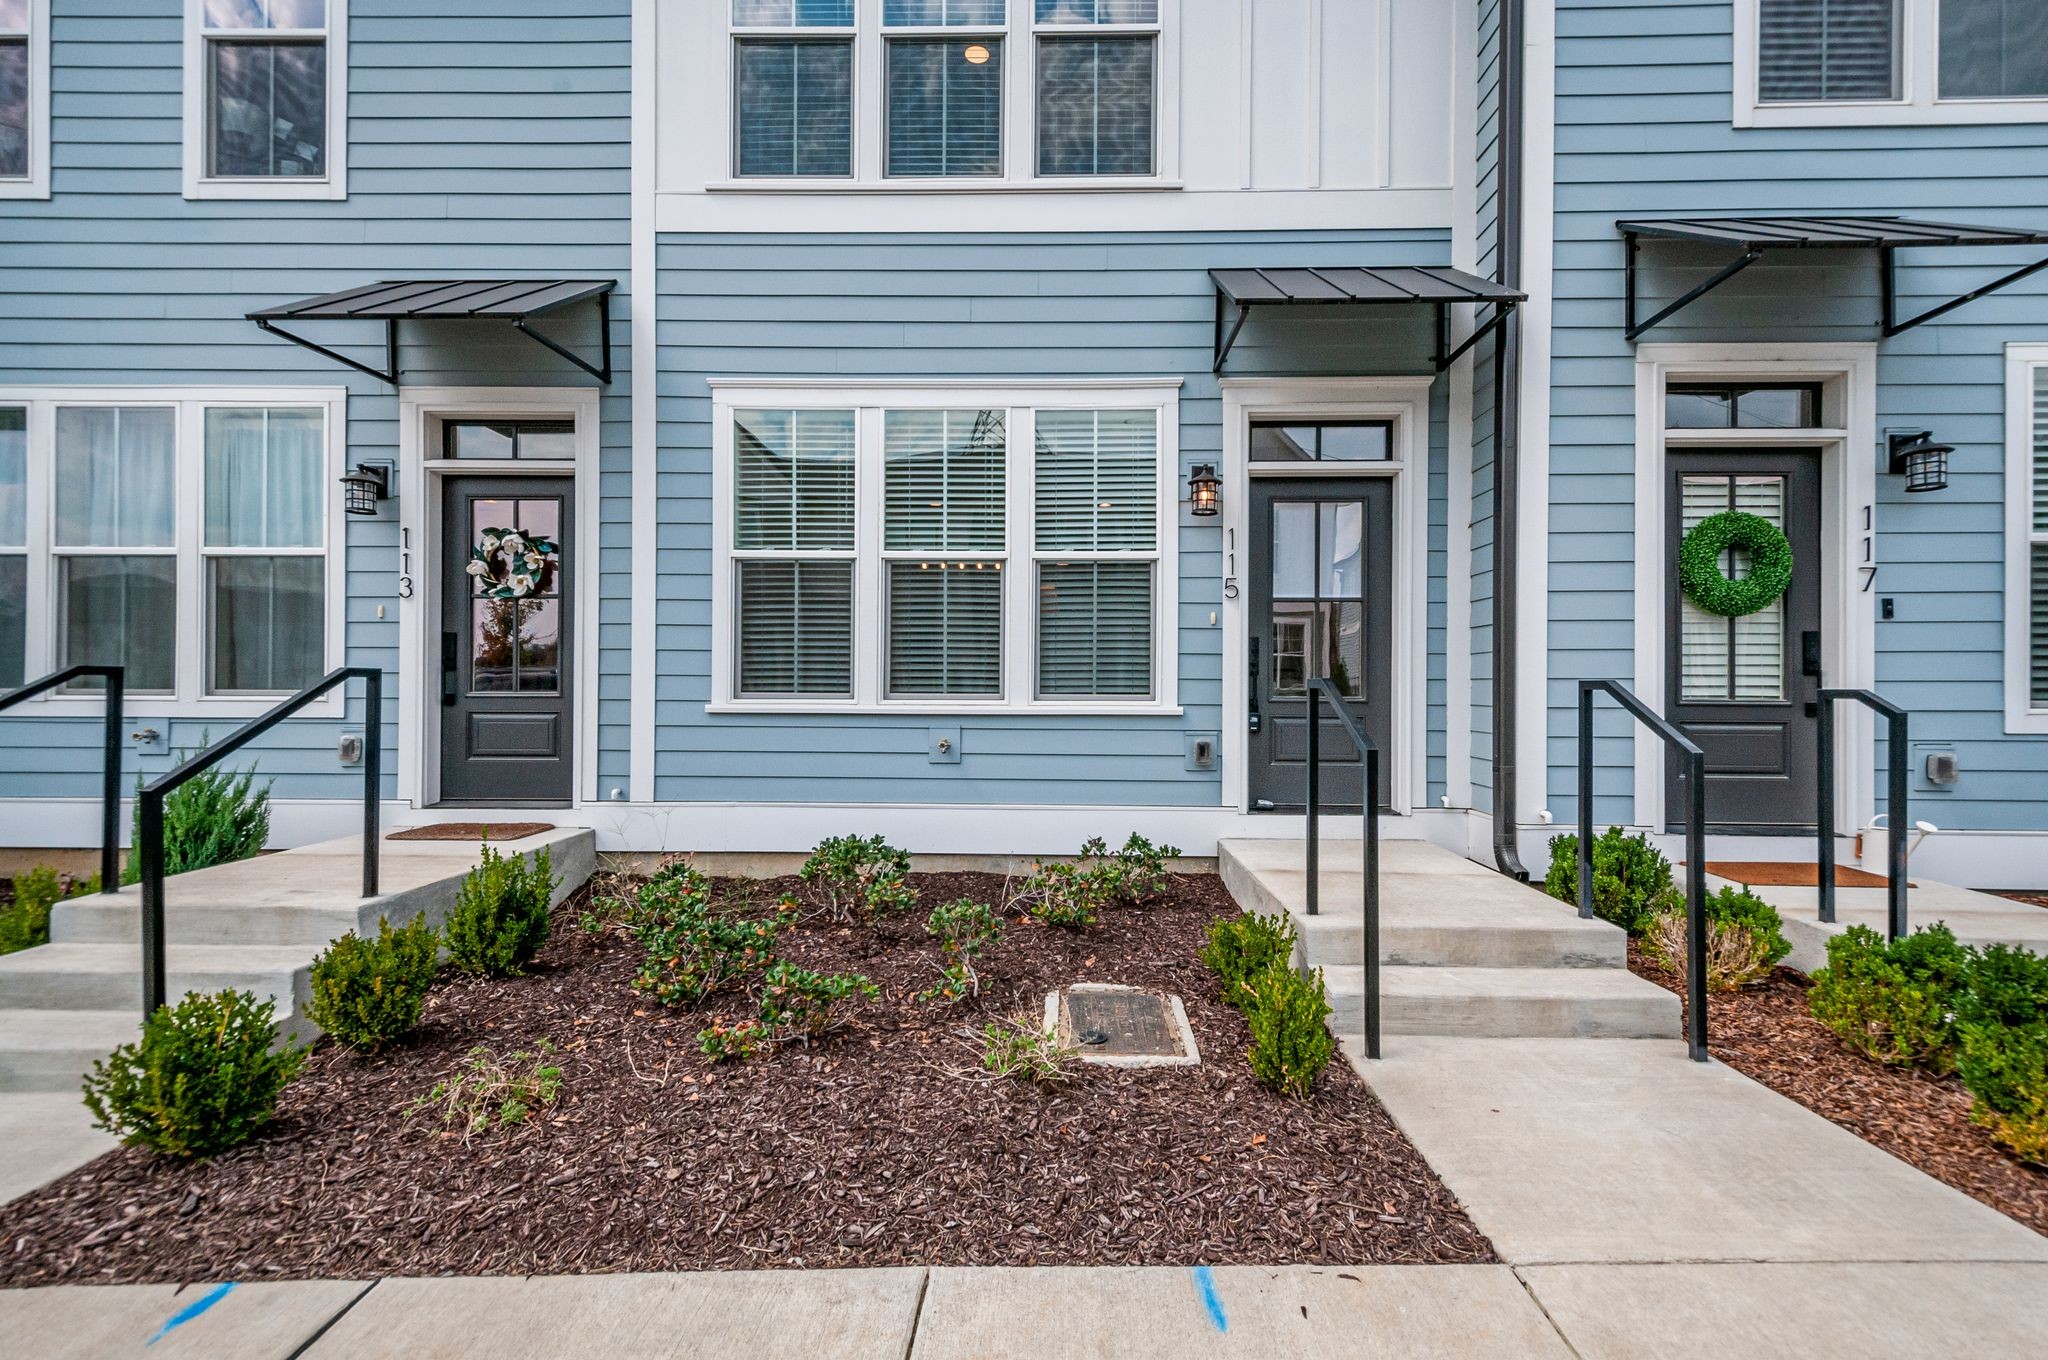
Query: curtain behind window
(1095, 106)
(13, 107)
(1827, 49)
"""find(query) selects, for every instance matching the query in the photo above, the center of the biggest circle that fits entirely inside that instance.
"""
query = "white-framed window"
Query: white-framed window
(924, 91)
(266, 99)
(945, 548)
(190, 536)
(1808, 63)
(24, 98)
(2026, 537)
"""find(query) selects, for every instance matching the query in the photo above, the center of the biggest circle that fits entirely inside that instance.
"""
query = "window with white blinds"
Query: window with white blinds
(792, 95)
(947, 550)
(1740, 660)
(1812, 50)
(2037, 548)
(1818, 63)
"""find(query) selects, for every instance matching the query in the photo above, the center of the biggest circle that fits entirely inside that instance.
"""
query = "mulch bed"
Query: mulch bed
(882, 1146)
(1768, 1033)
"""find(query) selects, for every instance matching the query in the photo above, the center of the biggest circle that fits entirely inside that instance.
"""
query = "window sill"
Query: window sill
(783, 708)
(1063, 185)
(1847, 113)
(265, 190)
(24, 188)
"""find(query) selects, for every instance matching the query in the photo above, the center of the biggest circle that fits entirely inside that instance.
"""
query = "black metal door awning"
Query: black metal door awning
(1755, 236)
(1433, 285)
(394, 300)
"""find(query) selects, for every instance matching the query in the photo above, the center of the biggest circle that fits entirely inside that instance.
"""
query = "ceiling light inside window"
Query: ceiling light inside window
(976, 55)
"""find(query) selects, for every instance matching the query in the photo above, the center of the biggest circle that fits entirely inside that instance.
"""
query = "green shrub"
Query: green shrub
(1075, 894)
(1131, 876)
(487, 1091)
(1745, 939)
(1291, 1042)
(1632, 884)
(1241, 948)
(369, 992)
(854, 875)
(25, 922)
(1061, 894)
(797, 1006)
(202, 1079)
(1019, 1049)
(2002, 1047)
(965, 930)
(692, 952)
(1894, 1002)
(500, 920)
(212, 818)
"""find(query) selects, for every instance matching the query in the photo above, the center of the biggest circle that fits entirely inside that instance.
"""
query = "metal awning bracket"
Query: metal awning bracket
(1894, 326)
(1636, 328)
(389, 373)
(601, 371)
(1224, 342)
(1501, 312)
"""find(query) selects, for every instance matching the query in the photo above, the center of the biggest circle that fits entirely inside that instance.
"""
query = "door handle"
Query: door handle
(1809, 653)
(449, 665)
(1252, 692)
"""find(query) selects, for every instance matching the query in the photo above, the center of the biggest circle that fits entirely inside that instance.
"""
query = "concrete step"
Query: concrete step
(118, 920)
(1587, 1003)
(108, 977)
(52, 1050)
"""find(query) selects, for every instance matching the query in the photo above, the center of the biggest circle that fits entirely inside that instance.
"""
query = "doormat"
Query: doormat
(1772, 874)
(472, 831)
(1122, 1026)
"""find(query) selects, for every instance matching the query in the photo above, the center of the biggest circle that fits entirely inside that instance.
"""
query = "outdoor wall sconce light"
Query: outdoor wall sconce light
(364, 487)
(1914, 455)
(1203, 486)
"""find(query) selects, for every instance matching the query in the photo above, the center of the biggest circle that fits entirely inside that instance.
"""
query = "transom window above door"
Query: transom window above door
(950, 76)
(1365, 441)
(1877, 61)
(509, 439)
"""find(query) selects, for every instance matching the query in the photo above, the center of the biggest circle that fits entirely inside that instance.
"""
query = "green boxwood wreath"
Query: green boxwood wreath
(1699, 564)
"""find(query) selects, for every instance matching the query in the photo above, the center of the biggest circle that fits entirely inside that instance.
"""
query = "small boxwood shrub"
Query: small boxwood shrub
(1632, 884)
(965, 930)
(203, 1078)
(1893, 1001)
(368, 992)
(1291, 1041)
(852, 876)
(1243, 947)
(500, 920)
(692, 952)
(212, 818)
(1745, 939)
(25, 922)
(2002, 1047)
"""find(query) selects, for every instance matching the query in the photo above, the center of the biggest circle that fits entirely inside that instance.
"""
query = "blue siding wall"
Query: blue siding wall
(1643, 127)
(996, 308)
(486, 138)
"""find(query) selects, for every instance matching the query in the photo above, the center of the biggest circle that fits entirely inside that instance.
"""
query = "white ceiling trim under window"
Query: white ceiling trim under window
(2026, 533)
(1919, 100)
(1018, 554)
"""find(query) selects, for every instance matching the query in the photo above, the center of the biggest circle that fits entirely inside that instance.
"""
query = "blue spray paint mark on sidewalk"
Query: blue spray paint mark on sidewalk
(1206, 1283)
(192, 1310)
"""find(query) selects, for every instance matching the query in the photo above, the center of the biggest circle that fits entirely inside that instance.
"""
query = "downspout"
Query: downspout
(1507, 429)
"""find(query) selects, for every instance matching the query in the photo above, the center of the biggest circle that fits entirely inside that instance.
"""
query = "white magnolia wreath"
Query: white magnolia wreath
(525, 556)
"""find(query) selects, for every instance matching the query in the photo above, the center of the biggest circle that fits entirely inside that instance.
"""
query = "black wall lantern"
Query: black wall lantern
(1203, 486)
(364, 487)
(1914, 455)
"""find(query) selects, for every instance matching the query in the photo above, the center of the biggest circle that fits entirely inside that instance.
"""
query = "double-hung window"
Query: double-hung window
(265, 98)
(24, 98)
(944, 549)
(945, 87)
(2026, 525)
(1879, 61)
(1097, 68)
(793, 87)
(184, 538)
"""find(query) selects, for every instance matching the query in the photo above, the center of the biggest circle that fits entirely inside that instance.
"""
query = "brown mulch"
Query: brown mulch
(472, 831)
(2032, 899)
(1767, 1032)
(884, 1145)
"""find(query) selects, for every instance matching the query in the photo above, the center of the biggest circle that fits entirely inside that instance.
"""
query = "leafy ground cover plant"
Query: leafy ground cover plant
(1074, 894)
(1020, 1049)
(693, 951)
(1241, 948)
(1632, 884)
(25, 922)
(500, 920)
(2002, 1047)
(212, 818)
(1291, 1043)
(489, 1092)
(965, 930)
(797, 1006)
(368, 992)
(1896, 1001)
(203, 1078)
(858, 876)
(1745, 939)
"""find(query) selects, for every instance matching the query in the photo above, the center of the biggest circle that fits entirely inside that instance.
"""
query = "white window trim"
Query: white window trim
(1919, 82)
(2022, 363)
(36, 183)
(1020, 618)
(1020, 35)
(332, 185)
(189, 699)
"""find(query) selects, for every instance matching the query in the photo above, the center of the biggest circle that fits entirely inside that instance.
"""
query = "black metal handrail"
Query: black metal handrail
(110, 769)
(149, 839)
(1369, 902)
(1896, 798)
(1695, 843)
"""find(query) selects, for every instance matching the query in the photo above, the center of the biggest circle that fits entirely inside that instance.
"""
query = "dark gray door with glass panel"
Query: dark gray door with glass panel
(507, 633)
(1320, 601)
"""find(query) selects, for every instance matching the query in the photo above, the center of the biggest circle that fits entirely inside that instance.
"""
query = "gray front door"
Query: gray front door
(1320, 602)
(1744, 688)
(507, 635)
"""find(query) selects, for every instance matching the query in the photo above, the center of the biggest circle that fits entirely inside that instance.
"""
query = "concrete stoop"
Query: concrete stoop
(1977, 918)
(1464, 951)
(255, 926)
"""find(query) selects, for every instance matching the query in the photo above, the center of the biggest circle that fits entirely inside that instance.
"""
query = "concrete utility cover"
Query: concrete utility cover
(1123, 1026)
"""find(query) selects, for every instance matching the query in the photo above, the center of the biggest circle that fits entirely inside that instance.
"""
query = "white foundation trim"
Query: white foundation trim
(2023, 366)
